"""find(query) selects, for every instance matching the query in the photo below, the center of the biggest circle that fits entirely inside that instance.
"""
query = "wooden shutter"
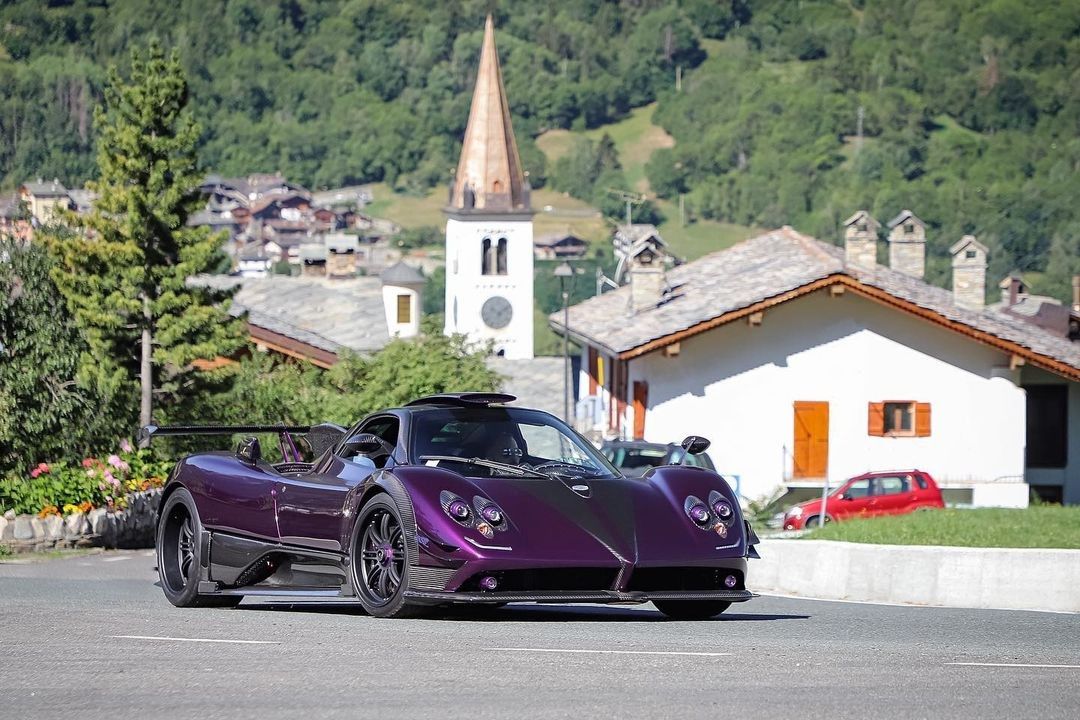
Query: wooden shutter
(594, 370)
(641, 402)
(810, 455)
(875, 424)
(922, 419)
(404, 309)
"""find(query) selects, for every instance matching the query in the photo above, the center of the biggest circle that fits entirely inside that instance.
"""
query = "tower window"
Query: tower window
(500, 257)
(404, 309)
(909, 229)
(486, 263)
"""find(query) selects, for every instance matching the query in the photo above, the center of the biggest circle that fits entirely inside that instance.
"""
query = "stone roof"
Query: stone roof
(55, 188)
(905, 215)
(401, 274)
(327, 314)
(552, 239)
(9, 205)
(862, 214)
(768, 266)
(535, 382)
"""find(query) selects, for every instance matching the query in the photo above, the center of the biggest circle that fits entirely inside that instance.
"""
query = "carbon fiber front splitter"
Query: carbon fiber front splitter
(591, 596)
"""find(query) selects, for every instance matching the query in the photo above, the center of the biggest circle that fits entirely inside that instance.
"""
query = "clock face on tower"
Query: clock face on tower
(496, 312)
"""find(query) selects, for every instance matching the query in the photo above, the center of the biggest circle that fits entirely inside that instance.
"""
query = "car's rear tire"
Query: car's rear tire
(380, 560)
(691, 609)
(179, 547)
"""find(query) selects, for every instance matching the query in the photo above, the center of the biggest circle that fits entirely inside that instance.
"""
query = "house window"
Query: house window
(1047, 426)
(404, 309)
(899, 418)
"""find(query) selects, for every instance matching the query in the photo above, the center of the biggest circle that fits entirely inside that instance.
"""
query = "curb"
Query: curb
(961, 577)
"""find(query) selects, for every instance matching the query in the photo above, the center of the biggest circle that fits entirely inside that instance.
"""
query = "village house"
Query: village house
(45, 200)
(804, 363)
(559, 246)
(15, 218)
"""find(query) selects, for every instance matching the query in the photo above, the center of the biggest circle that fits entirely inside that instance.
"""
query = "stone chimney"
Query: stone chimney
(647, 279)
(860, 241)
(907, 244)
(969, 273)
(1012, 289)
(341, 254)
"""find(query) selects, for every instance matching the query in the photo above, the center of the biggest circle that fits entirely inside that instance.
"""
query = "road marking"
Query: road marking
(1017, 665)
(195, 640)
(610, 652)
(116, 558)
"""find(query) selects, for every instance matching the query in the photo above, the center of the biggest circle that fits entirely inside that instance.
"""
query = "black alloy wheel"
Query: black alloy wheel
(691, 609)
(380, 561)
(179, 547)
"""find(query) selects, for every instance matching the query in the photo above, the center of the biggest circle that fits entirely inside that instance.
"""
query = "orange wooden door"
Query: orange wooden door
(641, 401)
(811, 454)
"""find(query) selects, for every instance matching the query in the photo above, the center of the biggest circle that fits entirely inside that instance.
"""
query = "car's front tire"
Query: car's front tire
(691, 609)
(179, 547)
(380, 560)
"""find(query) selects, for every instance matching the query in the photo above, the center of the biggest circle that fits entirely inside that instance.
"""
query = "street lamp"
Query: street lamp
(564, 272)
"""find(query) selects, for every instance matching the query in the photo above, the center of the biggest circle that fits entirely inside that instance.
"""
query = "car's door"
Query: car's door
(892, 495)
(309, 508)
(855, 500)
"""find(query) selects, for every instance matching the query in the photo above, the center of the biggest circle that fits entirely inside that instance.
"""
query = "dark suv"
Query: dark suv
(635, 457)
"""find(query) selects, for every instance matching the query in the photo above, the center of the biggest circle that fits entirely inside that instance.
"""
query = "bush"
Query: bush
(50, 489)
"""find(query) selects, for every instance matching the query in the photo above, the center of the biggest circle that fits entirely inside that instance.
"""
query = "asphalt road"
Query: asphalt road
(93, 637)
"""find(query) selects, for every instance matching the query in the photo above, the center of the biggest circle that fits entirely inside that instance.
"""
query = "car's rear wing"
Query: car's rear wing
(318, 437)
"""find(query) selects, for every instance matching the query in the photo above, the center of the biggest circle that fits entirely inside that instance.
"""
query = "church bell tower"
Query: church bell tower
(489, 226)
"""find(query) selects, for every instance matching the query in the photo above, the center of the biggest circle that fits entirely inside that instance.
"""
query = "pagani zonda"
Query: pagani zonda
(450, 499)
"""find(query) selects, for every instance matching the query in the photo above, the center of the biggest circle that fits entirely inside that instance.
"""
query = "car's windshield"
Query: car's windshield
(529, 439)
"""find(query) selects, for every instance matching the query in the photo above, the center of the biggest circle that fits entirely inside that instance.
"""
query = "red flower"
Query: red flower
(88, 462)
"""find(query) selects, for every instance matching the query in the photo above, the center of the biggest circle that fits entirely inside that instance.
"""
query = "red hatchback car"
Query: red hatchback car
(874, 493)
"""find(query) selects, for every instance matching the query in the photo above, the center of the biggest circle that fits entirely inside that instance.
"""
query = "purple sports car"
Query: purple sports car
(455, 498)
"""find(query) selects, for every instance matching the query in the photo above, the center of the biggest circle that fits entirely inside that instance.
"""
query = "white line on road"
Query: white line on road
(610, 652)
(1016, 665)
(116, 558)
(196, 640)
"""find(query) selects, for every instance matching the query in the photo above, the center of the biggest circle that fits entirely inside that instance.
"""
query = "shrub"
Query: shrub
(52, 489)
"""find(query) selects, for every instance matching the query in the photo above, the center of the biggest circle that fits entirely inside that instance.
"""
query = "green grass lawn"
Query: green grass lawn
(1047, 526)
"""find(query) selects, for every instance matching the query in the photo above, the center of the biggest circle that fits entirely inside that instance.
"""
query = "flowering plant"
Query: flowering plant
(94, 482)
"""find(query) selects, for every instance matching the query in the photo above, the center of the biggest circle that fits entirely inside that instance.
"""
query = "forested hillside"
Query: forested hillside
(970, 109)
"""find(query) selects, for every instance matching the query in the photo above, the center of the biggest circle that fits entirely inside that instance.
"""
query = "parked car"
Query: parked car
(874, 493)
(635, 457)
(454, 498)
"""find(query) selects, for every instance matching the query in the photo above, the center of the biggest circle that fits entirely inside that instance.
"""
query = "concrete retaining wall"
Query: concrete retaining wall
(943, 576)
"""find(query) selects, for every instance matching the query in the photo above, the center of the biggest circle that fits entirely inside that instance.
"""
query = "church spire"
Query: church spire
(489, 175)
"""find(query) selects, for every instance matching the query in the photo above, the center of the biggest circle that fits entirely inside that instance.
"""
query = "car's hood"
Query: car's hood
(582, 522)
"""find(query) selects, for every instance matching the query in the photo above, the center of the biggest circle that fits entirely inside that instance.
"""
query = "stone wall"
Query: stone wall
(130, 528)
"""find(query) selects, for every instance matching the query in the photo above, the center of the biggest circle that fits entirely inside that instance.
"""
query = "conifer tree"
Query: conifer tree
(124, 274)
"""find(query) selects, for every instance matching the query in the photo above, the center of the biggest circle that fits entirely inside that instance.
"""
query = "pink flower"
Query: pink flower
(125, 446)
(88, 462)
(35, 472)
(114, 460)
(110, 479)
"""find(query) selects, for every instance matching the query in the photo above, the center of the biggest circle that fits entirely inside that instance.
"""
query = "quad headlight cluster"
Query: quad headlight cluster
(483, 515)
(716, 515)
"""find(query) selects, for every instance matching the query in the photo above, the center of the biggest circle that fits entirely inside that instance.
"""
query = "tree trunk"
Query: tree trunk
(146, 368)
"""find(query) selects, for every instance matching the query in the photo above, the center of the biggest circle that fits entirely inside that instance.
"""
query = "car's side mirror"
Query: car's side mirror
(249, 451)
(845, 496)
(362, 443)
(695, 444)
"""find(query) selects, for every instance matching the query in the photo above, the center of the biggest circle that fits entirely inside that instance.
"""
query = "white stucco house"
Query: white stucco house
(804, 362)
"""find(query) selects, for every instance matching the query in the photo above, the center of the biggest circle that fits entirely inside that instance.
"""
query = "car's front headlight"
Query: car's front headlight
(794, 512)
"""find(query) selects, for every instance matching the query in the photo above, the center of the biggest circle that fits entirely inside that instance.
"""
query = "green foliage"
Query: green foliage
(591, 172)
(970, 120)
(264, 389)
(331, 91)
(422, 236)
(126, 269)
(67, 486)
(435, 293)
(1046, 526)
(44, 413)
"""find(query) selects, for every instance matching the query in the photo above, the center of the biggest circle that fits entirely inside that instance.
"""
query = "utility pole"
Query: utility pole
(630, 199)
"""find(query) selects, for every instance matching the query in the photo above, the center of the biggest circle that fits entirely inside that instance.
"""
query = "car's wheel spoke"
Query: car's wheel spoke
(384, 527)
